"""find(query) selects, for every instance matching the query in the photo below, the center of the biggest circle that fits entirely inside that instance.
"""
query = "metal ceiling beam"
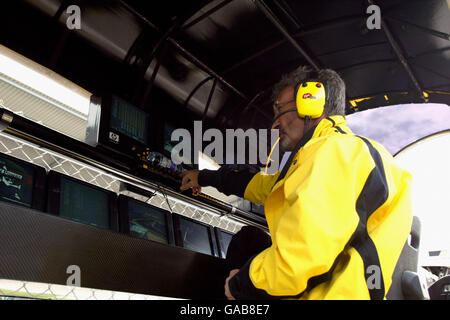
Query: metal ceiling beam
(351, 66)
(326, 26)
(149, 88)
(445, 76)
(398, 52)
(185, 52)
(257, 108)
(206, 14)
(203, 66)
(287, 11)
(208, 102)
(272, 17)
(373, 44)
(428, 52)
(340, 22)
(253, 56)
(193, 91)
(435, 33)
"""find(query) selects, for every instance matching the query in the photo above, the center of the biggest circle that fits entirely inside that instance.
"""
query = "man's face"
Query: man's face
(290, 125)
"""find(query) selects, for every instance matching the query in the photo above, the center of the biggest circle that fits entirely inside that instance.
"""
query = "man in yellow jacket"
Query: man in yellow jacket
(338, 214)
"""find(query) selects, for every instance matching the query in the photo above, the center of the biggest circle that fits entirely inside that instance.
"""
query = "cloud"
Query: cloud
(397, 126)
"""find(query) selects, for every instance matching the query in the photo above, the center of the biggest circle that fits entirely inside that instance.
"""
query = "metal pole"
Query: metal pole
(189, 55)
(208, 102)
(271, 16)
(400, 56)
(435, 33)
(206, 14)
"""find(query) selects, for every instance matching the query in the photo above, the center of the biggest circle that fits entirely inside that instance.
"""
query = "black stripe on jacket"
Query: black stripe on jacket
(372, 196)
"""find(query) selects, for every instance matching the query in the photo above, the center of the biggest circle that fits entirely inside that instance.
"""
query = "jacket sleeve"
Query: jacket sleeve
(318, 221)
(260, 186)
(228, 179)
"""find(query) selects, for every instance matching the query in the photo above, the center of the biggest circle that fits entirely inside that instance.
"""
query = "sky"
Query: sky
(397, 126)
(428, 161)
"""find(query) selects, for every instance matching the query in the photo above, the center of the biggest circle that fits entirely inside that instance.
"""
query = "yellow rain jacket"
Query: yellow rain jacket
(338, 218)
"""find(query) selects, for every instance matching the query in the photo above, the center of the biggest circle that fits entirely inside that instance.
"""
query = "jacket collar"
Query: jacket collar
(317, 131)
(326, 123)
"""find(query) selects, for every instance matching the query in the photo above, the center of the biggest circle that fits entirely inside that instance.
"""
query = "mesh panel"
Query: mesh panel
(51, 160)
(14, 289)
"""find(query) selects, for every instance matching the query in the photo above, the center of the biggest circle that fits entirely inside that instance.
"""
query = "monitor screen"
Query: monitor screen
(16, 182)
(129, 120)
(147, 222)
(195, 236)
(225, 239)
(85, 204)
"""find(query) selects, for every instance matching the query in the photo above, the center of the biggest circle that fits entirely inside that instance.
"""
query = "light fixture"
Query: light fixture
(37, 79)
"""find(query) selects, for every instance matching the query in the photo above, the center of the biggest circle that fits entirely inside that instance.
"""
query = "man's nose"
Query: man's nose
(276, 124)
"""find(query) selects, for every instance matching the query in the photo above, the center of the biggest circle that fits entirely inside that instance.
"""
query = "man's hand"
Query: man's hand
(227, 289)
(190, 180)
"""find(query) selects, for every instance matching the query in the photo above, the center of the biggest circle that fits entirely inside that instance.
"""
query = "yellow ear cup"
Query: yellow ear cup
(310, 98)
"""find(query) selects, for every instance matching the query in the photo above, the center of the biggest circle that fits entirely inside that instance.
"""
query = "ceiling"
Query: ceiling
(217, 60)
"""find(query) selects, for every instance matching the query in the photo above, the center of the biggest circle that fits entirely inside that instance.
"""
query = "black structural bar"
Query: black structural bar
(161, 46)
(198, 86)
(340, 22)
(435, 33)
(153, 77)
(445, 76)
(206, 14)
(288, 13)
(253, 56)
(258, 109)
(208, 102)
(271, 16)
(323, 27)
(189, 55)
(350, 66)
(398, 51)
(439, 50)
(252, 101)
(367, 45)
(207, 69)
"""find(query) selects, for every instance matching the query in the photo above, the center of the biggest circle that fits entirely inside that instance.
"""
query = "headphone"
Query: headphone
(311, 96)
